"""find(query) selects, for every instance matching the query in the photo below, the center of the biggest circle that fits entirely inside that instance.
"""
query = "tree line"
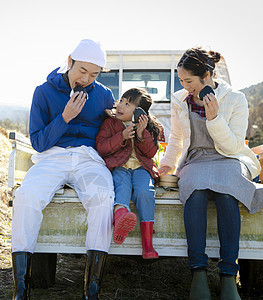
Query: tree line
(254, 95)
(21, 127)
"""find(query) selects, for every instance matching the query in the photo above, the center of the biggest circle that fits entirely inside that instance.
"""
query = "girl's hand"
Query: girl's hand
(211, 106)
(74, 106)
(143, 121)
(129, 132)
(164, 170)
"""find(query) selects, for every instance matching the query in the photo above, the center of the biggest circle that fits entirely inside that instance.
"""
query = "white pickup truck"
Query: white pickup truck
(64, 225)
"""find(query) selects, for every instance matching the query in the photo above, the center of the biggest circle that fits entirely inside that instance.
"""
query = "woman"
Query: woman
(207, 152)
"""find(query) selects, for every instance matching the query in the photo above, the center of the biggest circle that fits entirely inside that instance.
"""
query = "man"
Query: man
(63, 128)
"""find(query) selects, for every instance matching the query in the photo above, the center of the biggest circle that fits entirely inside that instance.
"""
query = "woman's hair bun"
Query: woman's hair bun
(216, 56)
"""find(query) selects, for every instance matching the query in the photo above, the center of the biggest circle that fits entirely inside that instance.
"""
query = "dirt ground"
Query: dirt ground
(124, 277)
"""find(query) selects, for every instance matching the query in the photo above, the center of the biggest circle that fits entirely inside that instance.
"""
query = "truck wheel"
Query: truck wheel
(251, 276)
(43, 270)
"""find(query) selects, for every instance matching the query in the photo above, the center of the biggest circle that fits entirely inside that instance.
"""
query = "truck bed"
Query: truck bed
(64, 225)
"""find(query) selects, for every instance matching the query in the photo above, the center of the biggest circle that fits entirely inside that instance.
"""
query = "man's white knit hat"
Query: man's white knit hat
(88, 51)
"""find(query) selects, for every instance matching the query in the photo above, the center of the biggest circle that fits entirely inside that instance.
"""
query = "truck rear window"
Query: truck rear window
(156, 82)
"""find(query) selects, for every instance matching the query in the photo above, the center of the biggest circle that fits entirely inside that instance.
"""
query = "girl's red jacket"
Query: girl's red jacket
(116, 152)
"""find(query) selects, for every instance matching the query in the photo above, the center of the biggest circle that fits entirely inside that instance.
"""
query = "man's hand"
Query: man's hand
(74, 106)
(128, 133)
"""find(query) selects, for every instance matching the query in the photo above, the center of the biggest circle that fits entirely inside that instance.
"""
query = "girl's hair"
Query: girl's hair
(198, 61)
(140, 98)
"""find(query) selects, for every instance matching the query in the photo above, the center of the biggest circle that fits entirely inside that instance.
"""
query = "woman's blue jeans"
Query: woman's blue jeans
(136, 185)
(228, 225)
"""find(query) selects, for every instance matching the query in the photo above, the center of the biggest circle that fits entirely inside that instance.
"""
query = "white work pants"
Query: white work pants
(80, 167)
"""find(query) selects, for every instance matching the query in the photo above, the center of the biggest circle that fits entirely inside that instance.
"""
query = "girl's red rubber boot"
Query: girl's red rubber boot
(147, 248)
(124, 222)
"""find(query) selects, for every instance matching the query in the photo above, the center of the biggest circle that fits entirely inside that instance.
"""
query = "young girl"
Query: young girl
(128, 151)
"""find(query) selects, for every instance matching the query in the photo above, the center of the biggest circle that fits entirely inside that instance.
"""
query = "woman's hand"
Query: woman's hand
(143, 121)
(129, 132)
(164, 170)
(211, 106)
(74, 106)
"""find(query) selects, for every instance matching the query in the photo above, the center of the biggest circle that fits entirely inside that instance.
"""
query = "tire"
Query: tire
(43, 270)
(251, 277)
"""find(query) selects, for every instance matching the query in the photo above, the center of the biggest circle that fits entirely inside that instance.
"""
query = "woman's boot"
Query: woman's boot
(124, 222)
(228, 288)
(147, 248)
(95, 262)
(21, 274)
(199, 287)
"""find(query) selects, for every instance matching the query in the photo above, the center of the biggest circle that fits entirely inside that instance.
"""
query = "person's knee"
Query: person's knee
(198, 199)
(200, 194)
(142, 194)
(226, 200)
(26, 197)
(226, 197)
(100, 199)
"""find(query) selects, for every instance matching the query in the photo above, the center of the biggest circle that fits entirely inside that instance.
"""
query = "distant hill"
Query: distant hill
(254, 95)
(14, 118)
(16, 114)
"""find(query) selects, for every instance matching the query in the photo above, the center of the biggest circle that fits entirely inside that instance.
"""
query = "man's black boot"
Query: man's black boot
(21, 275)
(95, 262)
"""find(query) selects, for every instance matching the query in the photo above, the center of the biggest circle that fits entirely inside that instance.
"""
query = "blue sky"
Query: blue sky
(37, 35)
